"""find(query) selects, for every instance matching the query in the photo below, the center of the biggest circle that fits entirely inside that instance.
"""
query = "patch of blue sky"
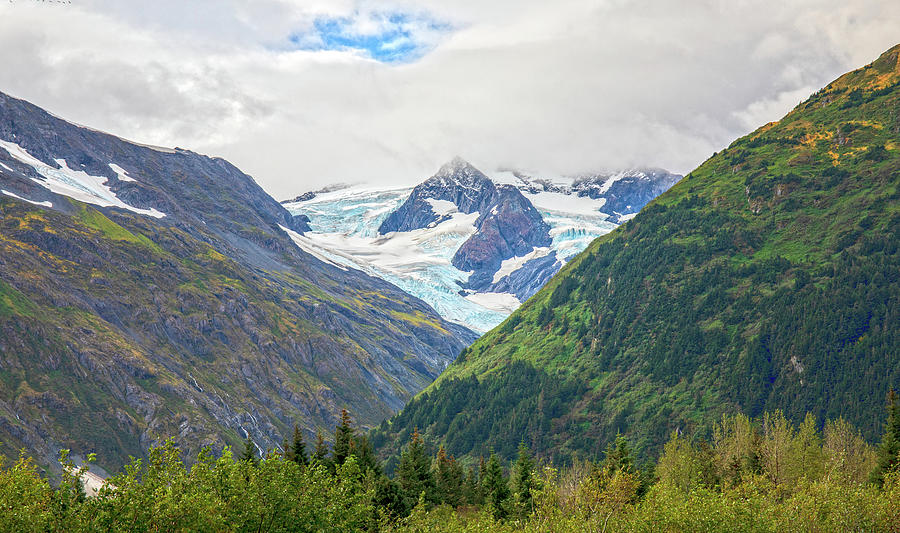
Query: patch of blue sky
(385, 37)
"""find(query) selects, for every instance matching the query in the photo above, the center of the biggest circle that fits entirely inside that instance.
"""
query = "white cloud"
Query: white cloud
(561, 86)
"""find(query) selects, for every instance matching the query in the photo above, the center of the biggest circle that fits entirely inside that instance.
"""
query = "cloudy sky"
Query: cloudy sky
(304, 93)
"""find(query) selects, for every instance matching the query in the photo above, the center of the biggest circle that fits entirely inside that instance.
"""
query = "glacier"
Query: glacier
(344, 231)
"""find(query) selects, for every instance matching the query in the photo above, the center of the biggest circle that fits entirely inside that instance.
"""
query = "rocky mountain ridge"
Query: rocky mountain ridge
(152, 293)
(622, 193)
(507, 226)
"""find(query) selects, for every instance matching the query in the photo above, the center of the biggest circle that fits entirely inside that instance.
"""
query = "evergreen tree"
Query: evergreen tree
(343, 439)
(448, 478)
(296, 449)
(889, 450)
(388, 496)
(495, 487)
(320, 452)
(619, 456)
(414, 473)
(364, 452)
(619, 460)
(249, 453)
(523, 481)
(482, 474)
(471, 489)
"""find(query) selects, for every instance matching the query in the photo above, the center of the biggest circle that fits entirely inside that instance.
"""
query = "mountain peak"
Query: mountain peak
(455, 164)
(460, 170)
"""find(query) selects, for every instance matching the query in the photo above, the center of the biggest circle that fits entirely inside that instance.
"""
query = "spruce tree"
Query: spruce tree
(414, 473)
(448, 479)
(364, 452)
(296, 449)
(249, 453)
(388, 497)
(619, 457)
(523, 481)
(343, 439)
(482, 474)
(471, 488)
(320, 452)
(889, 449)
(495, 487)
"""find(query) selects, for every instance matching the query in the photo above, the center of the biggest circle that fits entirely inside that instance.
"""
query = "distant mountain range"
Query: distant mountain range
(472, 246)
(148, 293)
(767, 279)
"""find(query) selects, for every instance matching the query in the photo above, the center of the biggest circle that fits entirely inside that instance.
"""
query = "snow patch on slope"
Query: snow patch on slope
(121, 173)
(614, 178)
(16, 196)
(497, 301)
(441, 207)
(75, 184)
(512, 264)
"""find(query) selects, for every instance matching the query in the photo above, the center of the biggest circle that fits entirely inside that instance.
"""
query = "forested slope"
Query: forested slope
(768, 278)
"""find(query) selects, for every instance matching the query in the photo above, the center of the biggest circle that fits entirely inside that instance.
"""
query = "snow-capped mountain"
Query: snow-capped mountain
(621, 194)
(473, 246)
(508, 226)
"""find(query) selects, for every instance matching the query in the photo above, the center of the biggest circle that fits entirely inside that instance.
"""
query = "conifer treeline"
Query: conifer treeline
(753, 475)
(418, 478)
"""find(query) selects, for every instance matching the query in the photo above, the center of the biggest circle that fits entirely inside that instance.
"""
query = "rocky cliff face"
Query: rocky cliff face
(149, 293)
(510, 227)
(625, 193)
(456, 182)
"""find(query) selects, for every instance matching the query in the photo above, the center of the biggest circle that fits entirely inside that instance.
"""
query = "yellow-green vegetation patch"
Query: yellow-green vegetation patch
(211, 253)
(13, 302)
(418, 319)
(94, 219)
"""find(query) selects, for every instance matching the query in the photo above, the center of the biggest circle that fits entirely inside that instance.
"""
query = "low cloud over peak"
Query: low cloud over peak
(301, 94)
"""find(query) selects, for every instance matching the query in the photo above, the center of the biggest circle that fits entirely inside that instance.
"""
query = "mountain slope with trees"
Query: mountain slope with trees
(767, 279)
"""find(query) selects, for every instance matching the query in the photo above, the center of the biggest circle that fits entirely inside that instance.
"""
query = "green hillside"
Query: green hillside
(768, 278)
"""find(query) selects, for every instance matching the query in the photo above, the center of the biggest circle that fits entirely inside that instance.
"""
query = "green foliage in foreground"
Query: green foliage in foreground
(216, 494)
(765, 475)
